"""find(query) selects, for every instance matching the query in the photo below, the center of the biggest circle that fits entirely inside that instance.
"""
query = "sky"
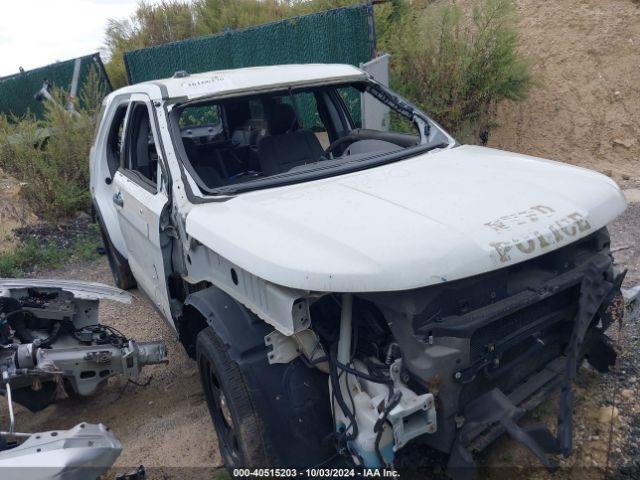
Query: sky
(34, 33)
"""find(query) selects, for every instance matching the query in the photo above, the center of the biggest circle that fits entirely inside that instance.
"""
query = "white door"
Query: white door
(139, 199)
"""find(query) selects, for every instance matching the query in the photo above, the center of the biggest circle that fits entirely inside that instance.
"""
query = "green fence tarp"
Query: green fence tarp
(17, 91)
(343, 35)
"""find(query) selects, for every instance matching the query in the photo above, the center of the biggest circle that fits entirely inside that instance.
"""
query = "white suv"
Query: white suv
(350, 284)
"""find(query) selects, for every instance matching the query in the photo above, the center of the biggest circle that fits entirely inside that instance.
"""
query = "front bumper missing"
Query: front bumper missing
(493, 413)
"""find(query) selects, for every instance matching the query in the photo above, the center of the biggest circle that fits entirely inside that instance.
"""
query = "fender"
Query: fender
(291, 399)
(237, 327)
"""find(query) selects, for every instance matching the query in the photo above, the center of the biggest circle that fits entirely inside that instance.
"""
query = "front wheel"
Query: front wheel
(234, 418)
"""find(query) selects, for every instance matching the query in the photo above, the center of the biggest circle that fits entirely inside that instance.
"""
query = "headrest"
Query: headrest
(237, 114)
(281, 118)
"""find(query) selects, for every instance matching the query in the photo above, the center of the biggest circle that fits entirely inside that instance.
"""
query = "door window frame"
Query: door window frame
(152, 186)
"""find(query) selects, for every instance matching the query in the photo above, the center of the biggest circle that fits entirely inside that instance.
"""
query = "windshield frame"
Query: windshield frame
(427, 127)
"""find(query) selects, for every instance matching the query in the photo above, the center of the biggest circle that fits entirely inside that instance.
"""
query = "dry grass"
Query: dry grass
(51, 157)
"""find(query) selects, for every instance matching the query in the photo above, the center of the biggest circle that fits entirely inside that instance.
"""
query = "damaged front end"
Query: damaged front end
(451, 367)
(497, 344)
(52, 343)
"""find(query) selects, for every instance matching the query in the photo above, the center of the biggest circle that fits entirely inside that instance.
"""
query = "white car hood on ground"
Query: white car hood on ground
(433, 218)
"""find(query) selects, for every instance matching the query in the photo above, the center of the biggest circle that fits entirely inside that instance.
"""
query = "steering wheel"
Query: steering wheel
(336, 143)
(245, 173)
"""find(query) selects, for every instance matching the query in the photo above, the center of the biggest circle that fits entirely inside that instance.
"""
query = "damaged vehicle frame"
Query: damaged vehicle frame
(353, 289)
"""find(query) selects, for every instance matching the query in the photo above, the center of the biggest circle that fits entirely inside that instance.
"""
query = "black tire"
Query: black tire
(238, 424)
(122, 276)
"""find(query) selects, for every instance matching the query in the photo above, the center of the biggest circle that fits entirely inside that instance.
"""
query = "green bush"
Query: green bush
(31, 256)
(458, 68)
(167, 21)
(28, 257)
(51, 157)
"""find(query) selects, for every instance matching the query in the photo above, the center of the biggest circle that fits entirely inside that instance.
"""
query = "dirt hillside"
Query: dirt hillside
(586, 108)
(14, 211)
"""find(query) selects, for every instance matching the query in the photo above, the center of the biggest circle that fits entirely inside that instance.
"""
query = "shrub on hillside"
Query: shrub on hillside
(51, 156)
(458, 68)
(152, 24)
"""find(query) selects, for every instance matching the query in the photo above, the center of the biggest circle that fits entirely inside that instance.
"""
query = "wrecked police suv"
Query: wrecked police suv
(351, 284)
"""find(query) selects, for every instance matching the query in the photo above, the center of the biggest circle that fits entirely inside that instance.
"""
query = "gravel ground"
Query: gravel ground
(166, 427)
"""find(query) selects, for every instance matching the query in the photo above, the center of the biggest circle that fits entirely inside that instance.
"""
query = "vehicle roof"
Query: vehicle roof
(230, 82)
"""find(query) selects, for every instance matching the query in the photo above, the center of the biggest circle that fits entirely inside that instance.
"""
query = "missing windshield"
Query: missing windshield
(256, 141)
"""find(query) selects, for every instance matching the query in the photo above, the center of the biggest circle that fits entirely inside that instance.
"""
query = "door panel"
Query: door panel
(139, 204)
(104, 151)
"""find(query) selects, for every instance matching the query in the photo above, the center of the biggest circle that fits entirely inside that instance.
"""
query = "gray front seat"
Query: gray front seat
(286, 147)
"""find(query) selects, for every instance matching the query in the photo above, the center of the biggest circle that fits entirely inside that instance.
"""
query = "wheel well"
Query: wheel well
(190, 323)
(291, 400)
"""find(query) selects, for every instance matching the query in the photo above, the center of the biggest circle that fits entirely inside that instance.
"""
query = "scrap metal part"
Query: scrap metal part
(82, 453)
(51, 340)
(79, 290)
(85, 367)
(632, 301)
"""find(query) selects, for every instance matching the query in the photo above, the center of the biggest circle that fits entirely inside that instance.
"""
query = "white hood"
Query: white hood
(437, 217)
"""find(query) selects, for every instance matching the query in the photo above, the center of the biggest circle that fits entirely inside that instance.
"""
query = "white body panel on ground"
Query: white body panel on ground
(83, 453)
(80, 290)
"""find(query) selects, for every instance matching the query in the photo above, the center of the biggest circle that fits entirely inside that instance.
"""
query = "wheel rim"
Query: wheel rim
(220, 413)
(224, 407)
